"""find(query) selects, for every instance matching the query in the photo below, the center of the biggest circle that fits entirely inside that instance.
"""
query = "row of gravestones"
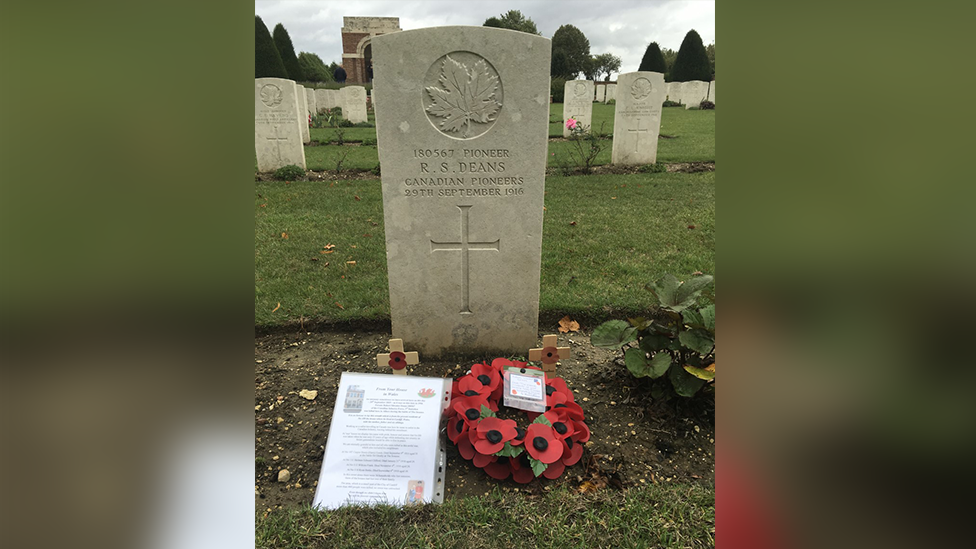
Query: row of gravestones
(462, 138)
(282, 110)
(689, 94)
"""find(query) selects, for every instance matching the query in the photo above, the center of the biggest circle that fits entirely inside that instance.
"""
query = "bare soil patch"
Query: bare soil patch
(635, 440)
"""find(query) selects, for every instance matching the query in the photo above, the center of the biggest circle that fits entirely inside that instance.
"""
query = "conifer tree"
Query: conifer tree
(692, 60)
(287, 52)
(267, 61)
(653, 59)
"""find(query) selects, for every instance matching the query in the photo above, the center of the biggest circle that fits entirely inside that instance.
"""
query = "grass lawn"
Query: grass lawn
(630, 229)
(652, 516)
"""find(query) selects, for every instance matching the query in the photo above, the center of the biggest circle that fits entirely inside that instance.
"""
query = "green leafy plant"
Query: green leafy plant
(669, 103)
(369, 142)
(586, 146)
(652, 168)
(679, 343)
(706, 105)
(290, 172)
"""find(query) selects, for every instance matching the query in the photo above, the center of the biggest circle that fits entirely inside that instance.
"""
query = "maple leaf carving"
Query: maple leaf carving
(464, 96)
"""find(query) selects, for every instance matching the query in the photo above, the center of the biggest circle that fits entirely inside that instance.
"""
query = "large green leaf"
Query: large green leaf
(699, 341)
(486, 412)
(653, 343)
(509, 450)
(684, 383)
(636, 362)
(707, 374)
(613, 334)
(677, 296)
(692, 318)
(708, 317)
(659, 364)
(542, 419)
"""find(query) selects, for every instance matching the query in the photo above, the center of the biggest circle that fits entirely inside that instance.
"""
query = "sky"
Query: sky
(623, 28)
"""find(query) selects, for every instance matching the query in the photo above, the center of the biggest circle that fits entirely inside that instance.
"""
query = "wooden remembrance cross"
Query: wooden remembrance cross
(549, 354)
(397, 359)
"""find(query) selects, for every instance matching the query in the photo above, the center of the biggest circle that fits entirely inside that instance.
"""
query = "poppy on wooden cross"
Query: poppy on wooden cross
(397, 358)
(549, 354)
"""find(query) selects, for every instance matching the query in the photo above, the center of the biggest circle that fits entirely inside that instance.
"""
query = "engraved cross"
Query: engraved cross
(637, 141)
(277, 141)
(464, 246)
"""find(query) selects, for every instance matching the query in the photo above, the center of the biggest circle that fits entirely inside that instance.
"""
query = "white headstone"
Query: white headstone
(601, 93)
(310, 97)
(462, 140)
(611, 91)
(353, 102)
(303, 101)
(637, 117)
(577, 103)
(711, 91)
(693, 93)
(277, 132)
(324, 99)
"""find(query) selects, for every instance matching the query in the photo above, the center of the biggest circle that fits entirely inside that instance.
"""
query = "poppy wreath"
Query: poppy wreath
(551, 442)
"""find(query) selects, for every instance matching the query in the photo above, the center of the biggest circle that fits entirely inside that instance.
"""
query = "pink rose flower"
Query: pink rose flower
(571, 123)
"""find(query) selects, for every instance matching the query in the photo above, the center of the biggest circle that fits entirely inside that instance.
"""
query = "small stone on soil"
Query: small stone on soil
(283, 475)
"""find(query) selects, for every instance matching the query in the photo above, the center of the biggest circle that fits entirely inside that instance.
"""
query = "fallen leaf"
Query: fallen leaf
(573, 223)
(329, 246)
(264, 205)
(567, 325)
(350, 262)
(357, 197)
(352, 246)
(284, 235)
(613, 198)
(276, 308)
(326, 251)
(367, 235)
(691, 226)
(339, 305)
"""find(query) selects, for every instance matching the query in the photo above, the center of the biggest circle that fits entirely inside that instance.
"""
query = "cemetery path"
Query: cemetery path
(635, 440)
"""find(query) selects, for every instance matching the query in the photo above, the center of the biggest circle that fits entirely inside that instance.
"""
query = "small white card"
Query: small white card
(529, 387)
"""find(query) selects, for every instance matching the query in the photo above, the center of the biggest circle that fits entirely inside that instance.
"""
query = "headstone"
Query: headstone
(637, 118)
(693, 93)
(462, 140)
(711, 91)
(674, 92)
(611, 91)
(601, 93)
(310, 97)
(277, 129)
(384, 444)
(303, 101)
(324, 99)
(353, 102)
(577, 103)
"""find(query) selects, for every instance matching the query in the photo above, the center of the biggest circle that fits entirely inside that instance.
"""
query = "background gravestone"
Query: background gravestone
(601, 93)
(637, 117)
(353, 103)
(577, 103)
(323, 99)
(611, 91)
(303, 108)
(711, 91)
(462, 139)
(693, 93)
(310, 97)
(277, 133)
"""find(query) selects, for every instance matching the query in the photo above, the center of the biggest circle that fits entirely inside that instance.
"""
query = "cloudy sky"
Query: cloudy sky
(623, 28)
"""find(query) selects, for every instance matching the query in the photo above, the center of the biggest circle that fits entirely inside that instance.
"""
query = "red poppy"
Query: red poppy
(550, 355)
(574, 410)
(493, 433)
(465, 448)
(560, 424)
(519, 436)
(572, 452)
(542, 443)
(558, 385)
(456, 428)
(499, 470)
(582, 431)
(486, 375)
(521, 469)
(470, 386)
(398, 360)
(469, 407)
(554, 470)
(481, 460)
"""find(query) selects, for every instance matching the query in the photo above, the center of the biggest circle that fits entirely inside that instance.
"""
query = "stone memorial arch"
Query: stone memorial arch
(357, 50)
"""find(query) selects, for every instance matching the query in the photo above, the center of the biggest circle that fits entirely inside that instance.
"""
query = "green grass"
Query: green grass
(652, 516)
(349, 134)
(596, 268)
(324, 157)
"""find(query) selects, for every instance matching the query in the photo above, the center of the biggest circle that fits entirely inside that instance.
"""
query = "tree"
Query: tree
(605, 63)
(559, 66)
(267, 62)
(513, 20)
(574, 45)
(710, 50)
(692, 60)
(287, 52)
(653, 60)
(314, 68)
